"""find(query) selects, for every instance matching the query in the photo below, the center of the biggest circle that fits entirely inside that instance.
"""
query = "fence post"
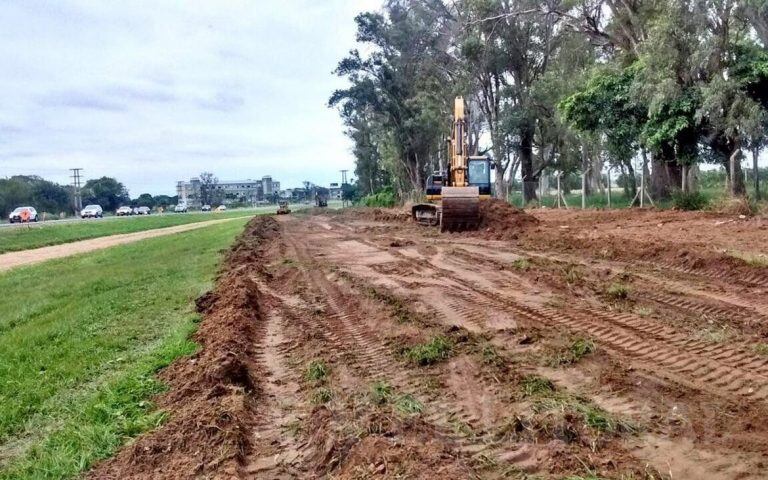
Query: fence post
(608, 176)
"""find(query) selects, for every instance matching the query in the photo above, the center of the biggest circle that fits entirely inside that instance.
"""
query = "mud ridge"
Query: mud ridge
(212, 395)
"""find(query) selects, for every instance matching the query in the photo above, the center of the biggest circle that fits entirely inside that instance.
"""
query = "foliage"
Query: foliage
(383, 198)
(689, 200)
(105, 191)
(34, 191)
(678, 83)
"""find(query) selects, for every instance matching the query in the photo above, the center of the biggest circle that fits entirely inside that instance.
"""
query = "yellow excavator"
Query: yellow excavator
(454, 196)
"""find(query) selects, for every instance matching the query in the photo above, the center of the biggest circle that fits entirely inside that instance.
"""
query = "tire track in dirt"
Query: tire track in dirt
(371, 357)
(278, 453)
(714, 368)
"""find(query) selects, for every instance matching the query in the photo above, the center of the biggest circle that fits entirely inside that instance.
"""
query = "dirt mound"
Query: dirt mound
(502, 221)
(211, 396)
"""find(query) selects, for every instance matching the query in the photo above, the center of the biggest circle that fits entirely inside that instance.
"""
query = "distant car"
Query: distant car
(123, 211)
(221, 208)
(180, 208)
(143, 211)
(15, 216)
(92, 211)
(205, 208)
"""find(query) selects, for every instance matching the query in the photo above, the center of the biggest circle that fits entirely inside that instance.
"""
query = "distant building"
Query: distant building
(228, 192)
(334, 192)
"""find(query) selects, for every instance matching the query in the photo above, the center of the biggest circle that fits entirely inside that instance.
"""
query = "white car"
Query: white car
(15, 216)
(221, 208)
(122, 211)
(180, 208)
(92, 211)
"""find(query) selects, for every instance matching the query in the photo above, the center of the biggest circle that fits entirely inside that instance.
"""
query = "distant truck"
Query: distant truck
(321, 197)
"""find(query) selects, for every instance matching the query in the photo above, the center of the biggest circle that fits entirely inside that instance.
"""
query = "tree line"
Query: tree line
(570, 86)
(55, 199)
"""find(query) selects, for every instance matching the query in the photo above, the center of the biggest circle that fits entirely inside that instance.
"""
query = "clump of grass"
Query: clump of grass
(491, 356)
(715, 334)
(574, 352)
(572, 274)
(317, 371)
(321, 395)
(521, 264)
(399, 308)
(534, 385)
(381, 393)
(761, 349)
(434, 351)
(758, 260)
(617, 291)
(593, 416)
(408, 405)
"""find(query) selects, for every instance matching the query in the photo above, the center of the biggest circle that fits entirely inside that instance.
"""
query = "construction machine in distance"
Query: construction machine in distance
(282, 208)
(321, 197)
(454, 196)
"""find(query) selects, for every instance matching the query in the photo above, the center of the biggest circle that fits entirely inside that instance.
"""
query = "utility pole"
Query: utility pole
(76, 185)
(343, 182)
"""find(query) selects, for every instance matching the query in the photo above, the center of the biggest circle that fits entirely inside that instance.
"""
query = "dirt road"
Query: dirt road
(37, 255)
(623, 345)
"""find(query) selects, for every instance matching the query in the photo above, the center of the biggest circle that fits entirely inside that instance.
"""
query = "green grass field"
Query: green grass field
(14, 239)
(81, 339)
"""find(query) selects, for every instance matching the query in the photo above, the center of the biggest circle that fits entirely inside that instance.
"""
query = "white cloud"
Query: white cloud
(155, 91)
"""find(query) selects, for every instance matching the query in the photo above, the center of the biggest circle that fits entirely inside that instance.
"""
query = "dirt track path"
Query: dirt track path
(655, 373)
(37, 255)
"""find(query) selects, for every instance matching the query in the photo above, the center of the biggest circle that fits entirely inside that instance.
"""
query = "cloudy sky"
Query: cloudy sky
(151, 92)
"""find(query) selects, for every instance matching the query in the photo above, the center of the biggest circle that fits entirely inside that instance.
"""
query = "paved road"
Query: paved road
(37, 255)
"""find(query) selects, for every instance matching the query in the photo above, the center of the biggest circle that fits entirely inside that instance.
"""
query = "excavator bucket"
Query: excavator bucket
(460, 209)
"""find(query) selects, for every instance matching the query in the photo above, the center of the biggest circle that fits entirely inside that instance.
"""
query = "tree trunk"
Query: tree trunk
(630, 182)
(738, 188)
(666, 174)
(756, 170)
(526, 164)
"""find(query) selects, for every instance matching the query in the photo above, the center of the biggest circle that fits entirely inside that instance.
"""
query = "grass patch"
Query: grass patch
(617, 291)
(761, 349)
(522, 264)
(317, 371)
(321, 395)
(715, 334)
(534, 385)
(434, 351)
(14, 239)
(77, 364)
(753, 260)
(572, 353)
(572, 274)
(382, 393)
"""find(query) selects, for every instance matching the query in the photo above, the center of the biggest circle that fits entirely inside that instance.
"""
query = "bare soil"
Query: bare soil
(626, 345)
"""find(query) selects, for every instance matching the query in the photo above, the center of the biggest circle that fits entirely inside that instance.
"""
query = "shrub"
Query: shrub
(689, 200)
(386, 198)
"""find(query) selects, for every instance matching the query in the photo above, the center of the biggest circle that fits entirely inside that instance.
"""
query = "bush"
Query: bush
(689, 200)
(385, 198)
